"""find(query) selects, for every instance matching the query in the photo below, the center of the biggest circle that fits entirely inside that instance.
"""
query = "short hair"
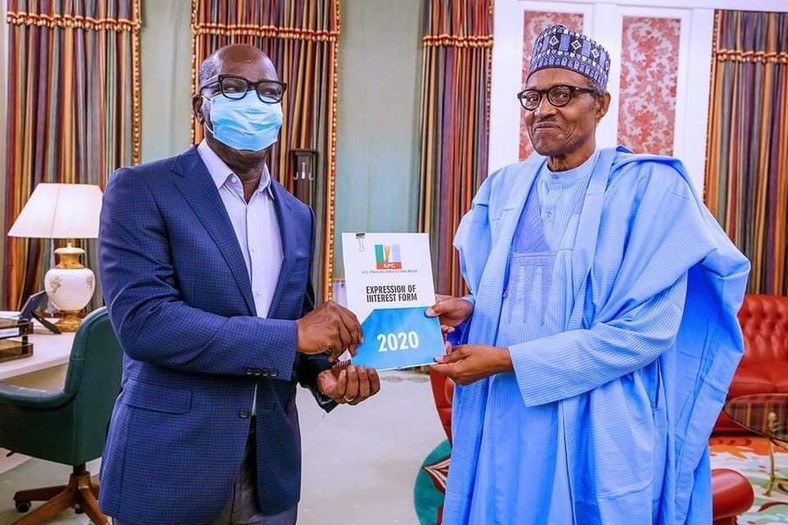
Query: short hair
(209, 68)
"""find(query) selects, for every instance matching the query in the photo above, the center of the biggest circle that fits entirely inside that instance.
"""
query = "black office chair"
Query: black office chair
(66, 426)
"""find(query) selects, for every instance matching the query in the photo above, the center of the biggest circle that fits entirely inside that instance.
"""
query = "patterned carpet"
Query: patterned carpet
(748, 455)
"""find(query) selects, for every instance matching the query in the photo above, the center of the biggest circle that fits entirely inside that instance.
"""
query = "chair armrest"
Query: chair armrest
(732, 493)
(24, 397)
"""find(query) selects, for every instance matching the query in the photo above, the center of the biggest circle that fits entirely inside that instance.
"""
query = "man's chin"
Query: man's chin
(247, 159)
(550, 148)
(244, 155)
(539, 145)
(250, 154)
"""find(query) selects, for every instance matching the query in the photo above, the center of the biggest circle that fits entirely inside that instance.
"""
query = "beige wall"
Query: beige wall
(379, 104)
(166, 72)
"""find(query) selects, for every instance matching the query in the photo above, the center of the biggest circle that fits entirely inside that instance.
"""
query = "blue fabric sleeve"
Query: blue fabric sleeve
(570, 363)
(308, 367)
(636, 288)
(460, 334)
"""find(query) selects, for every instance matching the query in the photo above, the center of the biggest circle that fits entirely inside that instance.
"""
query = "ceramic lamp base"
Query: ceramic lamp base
(70, 286)
(69, 321)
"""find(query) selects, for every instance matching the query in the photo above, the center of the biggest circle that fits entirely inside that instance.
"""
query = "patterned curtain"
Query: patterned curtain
(747, 169)
(455, 110)
(301, 38)
(73, 100)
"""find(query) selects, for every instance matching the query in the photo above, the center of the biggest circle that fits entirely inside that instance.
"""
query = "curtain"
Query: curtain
(301, 38)
(747, 169)
(73, 100)
(455, 109)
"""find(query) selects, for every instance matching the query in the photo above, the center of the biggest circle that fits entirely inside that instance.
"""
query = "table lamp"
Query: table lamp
(64, 211)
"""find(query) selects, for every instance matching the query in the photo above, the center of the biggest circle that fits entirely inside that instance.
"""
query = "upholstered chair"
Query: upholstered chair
(67, 425)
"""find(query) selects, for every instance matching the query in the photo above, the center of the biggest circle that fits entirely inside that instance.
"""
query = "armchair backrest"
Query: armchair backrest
(93, 378)
(764, 323)
(68, 425)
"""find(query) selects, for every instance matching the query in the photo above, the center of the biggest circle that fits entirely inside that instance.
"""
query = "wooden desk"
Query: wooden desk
(49, 350)
(46, 367)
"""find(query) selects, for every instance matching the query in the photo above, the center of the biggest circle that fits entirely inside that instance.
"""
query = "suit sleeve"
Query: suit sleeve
(152, 321)
(309, 366)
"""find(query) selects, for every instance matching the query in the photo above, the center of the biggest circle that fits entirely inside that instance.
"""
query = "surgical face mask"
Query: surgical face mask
(245, 124)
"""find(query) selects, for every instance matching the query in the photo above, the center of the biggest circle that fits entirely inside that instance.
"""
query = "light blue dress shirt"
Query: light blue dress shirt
(256, 228)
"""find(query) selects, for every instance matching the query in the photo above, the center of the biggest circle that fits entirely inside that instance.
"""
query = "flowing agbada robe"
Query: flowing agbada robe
(619, 310)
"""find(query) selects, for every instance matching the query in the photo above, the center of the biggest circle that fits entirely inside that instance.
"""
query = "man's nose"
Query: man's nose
(544, 107)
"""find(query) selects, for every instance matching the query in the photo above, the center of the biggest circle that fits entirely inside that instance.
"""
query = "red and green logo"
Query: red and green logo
(387, 257)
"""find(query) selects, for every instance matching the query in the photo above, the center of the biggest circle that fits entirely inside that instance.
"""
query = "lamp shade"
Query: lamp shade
(60, 211)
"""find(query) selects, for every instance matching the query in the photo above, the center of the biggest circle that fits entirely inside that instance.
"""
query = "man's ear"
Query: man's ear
(197, 102)
(602, 105)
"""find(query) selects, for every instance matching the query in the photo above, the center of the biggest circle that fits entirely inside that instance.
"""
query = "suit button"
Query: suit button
(274, 373)
(244, 414)
(250, 371)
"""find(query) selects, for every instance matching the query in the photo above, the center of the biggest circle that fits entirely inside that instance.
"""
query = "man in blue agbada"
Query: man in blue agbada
(601, 327)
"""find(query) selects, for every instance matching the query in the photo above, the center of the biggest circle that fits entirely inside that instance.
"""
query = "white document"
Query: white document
(388, 283)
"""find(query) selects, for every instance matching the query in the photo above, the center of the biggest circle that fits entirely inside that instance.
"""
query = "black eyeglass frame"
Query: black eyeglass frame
(542, 92)
(250, 86)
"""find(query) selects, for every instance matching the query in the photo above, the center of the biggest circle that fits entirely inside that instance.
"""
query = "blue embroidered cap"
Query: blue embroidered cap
(559, 46)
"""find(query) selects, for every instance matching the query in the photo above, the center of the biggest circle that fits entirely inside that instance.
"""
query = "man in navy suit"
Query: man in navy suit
(205, 265)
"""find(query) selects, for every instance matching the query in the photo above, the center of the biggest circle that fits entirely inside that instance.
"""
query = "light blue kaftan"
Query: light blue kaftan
(616, 293)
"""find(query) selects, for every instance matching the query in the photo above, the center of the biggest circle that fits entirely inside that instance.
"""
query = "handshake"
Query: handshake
(336, 329)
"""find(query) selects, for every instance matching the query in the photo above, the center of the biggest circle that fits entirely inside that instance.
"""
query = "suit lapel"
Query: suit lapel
(287, 234)
(199, 190)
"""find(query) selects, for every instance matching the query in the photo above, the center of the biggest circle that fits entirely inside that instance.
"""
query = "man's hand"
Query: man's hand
(451, 311)
(348, 384)
(468, 363)
(328, 327)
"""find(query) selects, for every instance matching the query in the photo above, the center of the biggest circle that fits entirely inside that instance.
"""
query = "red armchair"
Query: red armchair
(442, 393)
(764, 367)
(731, 495)
(731, 492)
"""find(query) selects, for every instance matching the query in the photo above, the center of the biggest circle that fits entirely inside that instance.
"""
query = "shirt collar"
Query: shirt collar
(220, 171)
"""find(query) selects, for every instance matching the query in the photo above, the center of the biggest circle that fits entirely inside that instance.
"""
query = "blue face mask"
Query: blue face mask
(245, 124)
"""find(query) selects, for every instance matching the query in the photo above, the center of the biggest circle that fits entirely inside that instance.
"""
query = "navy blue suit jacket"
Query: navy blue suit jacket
(180, 301)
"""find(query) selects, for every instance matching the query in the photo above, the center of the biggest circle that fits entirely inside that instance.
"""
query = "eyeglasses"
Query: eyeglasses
(558, 96)
(236, 88)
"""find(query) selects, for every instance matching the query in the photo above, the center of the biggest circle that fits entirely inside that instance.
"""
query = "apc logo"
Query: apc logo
(387, 257)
